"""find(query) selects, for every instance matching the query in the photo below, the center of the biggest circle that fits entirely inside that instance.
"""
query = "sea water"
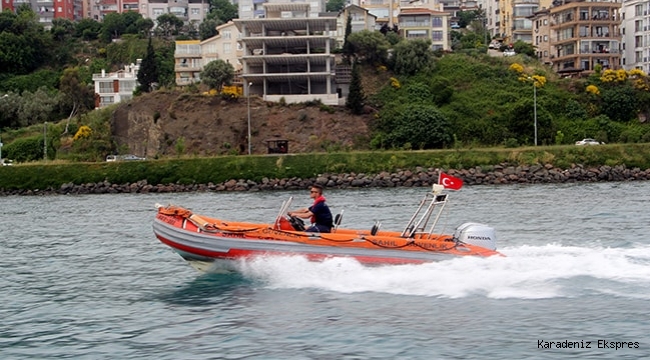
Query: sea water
(83, 277)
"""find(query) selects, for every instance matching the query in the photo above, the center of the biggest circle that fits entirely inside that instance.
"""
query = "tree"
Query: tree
(419, 125)
(371, 46)
(132, 22)
(356, 98)
(522, 47)
(37, 107)
(62, 29)
(144, 26)
(347, 50)
(335, 5)
(148, 73)
(217, 73)
(222, 11)
(76, 93)
(619, 102)
(169, 24)
(412, 57)
(88, 29)
(10, 104)
(466, 17)
(208, 29)
(113, 27)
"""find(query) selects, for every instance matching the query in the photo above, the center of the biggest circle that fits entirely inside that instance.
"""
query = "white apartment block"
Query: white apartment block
(635, 31)
(118, 86)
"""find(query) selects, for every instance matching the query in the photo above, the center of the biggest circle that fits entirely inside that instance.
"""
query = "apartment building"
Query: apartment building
(422, 23)
(585, 34)
(287, 51)
(360, 19)
(188, 62)
(114, 87)
(541, 24)
(186, 10)
(635, 32)
(47, 10)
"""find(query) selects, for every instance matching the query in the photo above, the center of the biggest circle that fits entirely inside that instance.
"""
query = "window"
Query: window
(545, 38)
(196, 11)
(436, 21)
(416, 33)
(107, 99)
(436, 35)
(227, 48)
(158, 11)
(226, 34)
(127, 86)
(379, 13)
(105, 86)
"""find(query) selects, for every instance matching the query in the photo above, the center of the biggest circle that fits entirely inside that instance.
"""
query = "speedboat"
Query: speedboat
(212, 245)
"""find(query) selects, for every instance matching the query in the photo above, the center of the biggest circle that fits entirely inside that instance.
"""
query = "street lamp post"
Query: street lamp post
(534, 106)
(248, 93)
(45, 141)
(535, 109)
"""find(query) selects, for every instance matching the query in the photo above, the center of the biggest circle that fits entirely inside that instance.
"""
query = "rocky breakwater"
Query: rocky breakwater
(498, 174)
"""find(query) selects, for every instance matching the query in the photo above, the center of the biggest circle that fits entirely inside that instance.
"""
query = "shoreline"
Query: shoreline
(502, 174)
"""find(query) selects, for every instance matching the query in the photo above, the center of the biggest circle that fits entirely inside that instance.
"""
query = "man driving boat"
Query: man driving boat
(319, 212)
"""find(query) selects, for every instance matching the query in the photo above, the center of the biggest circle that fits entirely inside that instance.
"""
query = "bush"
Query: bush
(25, 149)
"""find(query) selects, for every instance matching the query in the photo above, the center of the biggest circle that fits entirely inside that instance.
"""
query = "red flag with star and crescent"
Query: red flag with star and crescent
(450, 182)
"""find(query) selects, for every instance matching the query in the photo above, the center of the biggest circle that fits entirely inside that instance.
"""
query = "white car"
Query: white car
(509, 52)
(129, 157)
(588, 142)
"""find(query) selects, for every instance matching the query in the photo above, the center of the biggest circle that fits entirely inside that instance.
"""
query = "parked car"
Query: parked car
(494, 45)
(6, 162)
(509, 52)
(588, 142)
(129, 157)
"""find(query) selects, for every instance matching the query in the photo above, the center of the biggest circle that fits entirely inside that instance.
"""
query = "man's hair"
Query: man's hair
(319, 187)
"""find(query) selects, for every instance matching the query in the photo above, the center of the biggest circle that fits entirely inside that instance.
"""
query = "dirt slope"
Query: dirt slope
(169, 123)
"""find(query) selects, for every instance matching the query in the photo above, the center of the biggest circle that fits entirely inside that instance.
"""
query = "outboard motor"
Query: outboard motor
(476, 234)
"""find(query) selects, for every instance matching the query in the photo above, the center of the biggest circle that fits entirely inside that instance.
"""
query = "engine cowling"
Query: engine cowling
(477, 234)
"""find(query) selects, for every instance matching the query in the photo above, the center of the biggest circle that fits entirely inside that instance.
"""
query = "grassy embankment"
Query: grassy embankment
(43, 175)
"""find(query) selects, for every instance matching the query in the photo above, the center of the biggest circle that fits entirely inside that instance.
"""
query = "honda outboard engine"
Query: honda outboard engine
(477, 234)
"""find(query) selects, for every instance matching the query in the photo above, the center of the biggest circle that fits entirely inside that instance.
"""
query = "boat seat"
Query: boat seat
(337, 221)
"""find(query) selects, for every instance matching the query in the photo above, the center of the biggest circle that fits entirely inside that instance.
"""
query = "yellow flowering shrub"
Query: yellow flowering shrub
(395, 83)
(539, 80)
(382, 68)
(232, 91)
(636, 73)
(516, 68)
(609, 75)
(593, 89)
(642, 84)
(621, 75)
(83, 132)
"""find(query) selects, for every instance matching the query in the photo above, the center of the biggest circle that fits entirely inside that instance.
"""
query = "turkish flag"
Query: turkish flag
(450, 182)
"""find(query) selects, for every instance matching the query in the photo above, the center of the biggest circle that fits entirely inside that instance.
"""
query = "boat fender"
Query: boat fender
(375, 228)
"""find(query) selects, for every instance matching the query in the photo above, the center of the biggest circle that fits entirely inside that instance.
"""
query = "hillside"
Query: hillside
(168, 123)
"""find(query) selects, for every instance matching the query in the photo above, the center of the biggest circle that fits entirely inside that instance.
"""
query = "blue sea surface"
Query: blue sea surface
(83, 277)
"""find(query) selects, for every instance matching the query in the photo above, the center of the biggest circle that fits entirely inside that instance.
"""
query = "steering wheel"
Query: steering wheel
(297, 223)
